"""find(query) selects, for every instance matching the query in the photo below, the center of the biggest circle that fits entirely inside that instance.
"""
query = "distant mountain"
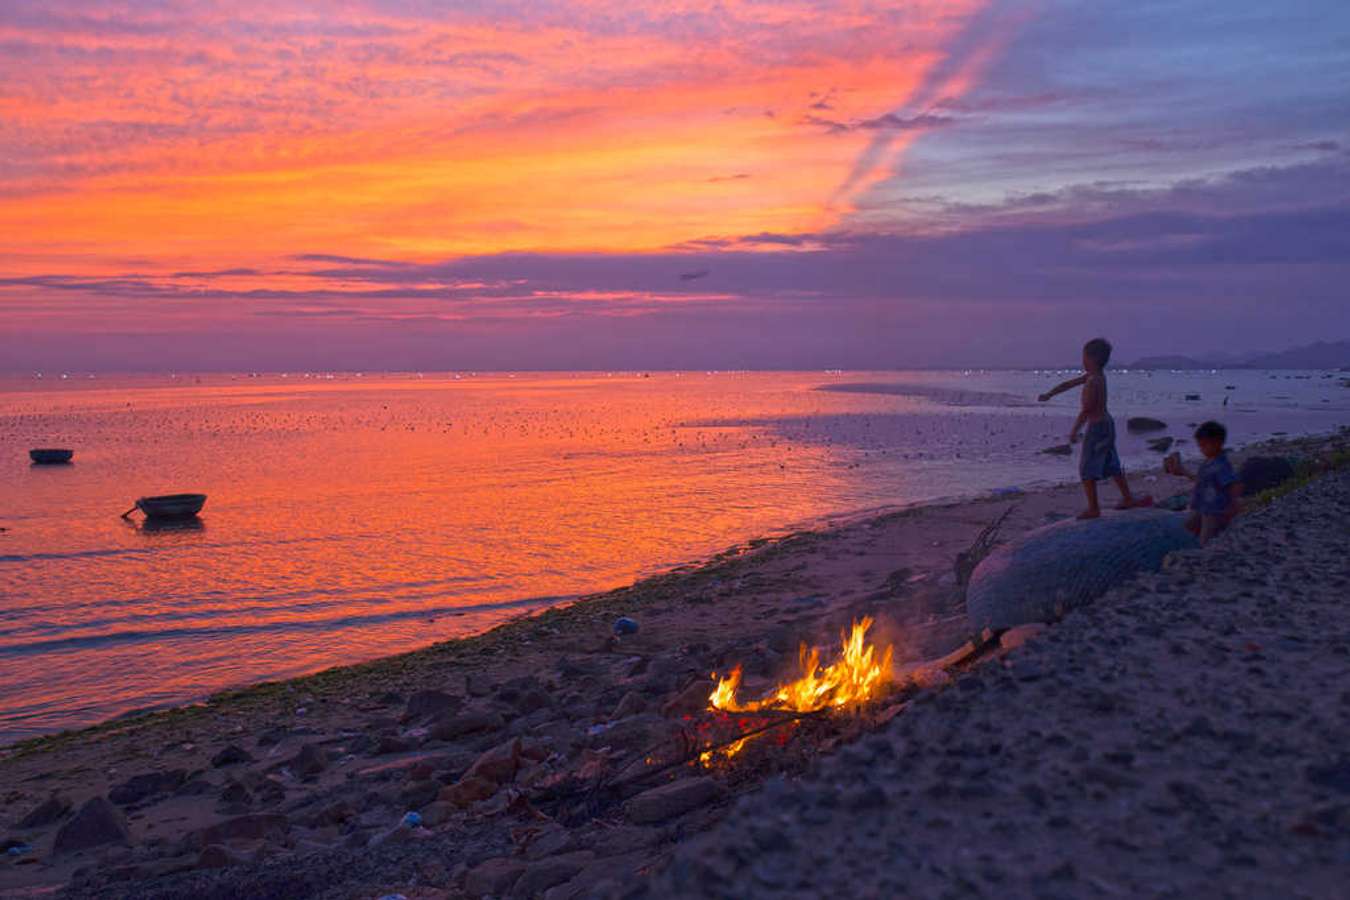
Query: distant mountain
(1171, 362)
(1321, 355)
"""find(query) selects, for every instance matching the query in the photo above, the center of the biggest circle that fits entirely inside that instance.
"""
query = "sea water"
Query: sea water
(352, 516)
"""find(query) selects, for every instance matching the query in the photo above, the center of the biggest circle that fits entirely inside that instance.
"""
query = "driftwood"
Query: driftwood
(968, 559)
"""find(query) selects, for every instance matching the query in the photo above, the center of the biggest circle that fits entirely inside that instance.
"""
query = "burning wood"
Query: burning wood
(853, 679)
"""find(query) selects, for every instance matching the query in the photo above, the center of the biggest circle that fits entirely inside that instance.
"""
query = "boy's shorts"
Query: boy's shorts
(1206, 526)
(1099, 459)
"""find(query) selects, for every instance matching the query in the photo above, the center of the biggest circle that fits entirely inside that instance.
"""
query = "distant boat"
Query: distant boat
(50, 456)
(170, 506)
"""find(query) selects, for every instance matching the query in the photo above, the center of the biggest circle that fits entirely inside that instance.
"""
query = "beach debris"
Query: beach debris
(968, 559)
(1144, 423)
(1055, 568)
(411, 819)
(1192, 396)
(624, 625)
(1160, 445)
(1261, 473)
(1175, 503)
(97, 823)
(1059, 450)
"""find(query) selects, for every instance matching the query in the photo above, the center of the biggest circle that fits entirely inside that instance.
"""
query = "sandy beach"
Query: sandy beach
(549, 757)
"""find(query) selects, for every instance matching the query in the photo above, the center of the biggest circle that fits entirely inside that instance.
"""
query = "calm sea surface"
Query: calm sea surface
(356, 516)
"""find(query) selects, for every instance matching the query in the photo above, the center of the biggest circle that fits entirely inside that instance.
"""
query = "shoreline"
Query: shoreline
(553, 677)
(822, 524)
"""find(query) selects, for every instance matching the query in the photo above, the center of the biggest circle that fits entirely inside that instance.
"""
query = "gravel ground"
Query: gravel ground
(1187, 735)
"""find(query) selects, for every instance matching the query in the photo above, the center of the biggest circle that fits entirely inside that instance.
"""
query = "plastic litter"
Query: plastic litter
(18, 849)
(625, 625)
(411, 819)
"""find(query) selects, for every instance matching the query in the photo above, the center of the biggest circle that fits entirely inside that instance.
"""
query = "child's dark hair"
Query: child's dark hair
(1099, 351)
(1211, 430)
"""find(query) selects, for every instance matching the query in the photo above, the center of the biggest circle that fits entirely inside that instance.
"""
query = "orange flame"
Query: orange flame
(853, 679)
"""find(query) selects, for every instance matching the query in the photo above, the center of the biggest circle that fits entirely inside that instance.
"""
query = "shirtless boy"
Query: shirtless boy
(1099, 459)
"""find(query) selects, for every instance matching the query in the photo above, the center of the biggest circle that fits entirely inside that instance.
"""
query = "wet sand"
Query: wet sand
(517, 748)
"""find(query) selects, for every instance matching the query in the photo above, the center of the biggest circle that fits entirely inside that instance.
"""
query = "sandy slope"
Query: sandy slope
(1185, 736)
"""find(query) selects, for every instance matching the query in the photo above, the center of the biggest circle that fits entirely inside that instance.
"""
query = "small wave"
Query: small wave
(944, 395)
(84, 642)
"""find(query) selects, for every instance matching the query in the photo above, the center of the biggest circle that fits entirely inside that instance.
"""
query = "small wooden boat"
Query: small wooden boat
(50, 456)
(170, 506)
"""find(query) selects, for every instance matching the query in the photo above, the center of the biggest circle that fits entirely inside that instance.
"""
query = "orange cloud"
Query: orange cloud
(220, 136)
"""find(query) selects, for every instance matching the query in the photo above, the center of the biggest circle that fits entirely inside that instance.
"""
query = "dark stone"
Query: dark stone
(48, 811)
(139, 787)
(1160, 445)
(236, 793)
(499, 764)
(417, 794)
(542, 875)
(310, 761)
(550, 842)
(671, 800)
(392, 743)
(1261, 473)
(273, 736)
(1059, 450)
(425, 704)
(470, 721)
(97, 823)
(257, 826)
(494, 877)
(230, 756)
(215, 856)
(194, 787)
(1144, 423)
(692, 699)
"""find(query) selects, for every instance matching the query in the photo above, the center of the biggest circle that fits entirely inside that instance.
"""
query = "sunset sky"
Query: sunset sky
(391, 184)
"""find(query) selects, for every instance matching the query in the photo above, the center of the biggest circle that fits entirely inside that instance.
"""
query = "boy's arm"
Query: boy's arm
(1172, 465)
(1062, 387)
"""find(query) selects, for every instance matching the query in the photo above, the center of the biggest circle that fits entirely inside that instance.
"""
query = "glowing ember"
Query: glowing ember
(851, 680)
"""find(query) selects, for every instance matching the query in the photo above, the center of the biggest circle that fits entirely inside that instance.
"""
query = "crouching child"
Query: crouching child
(1217, 496)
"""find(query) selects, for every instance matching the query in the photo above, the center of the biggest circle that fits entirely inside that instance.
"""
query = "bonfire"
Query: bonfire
(856, 677)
